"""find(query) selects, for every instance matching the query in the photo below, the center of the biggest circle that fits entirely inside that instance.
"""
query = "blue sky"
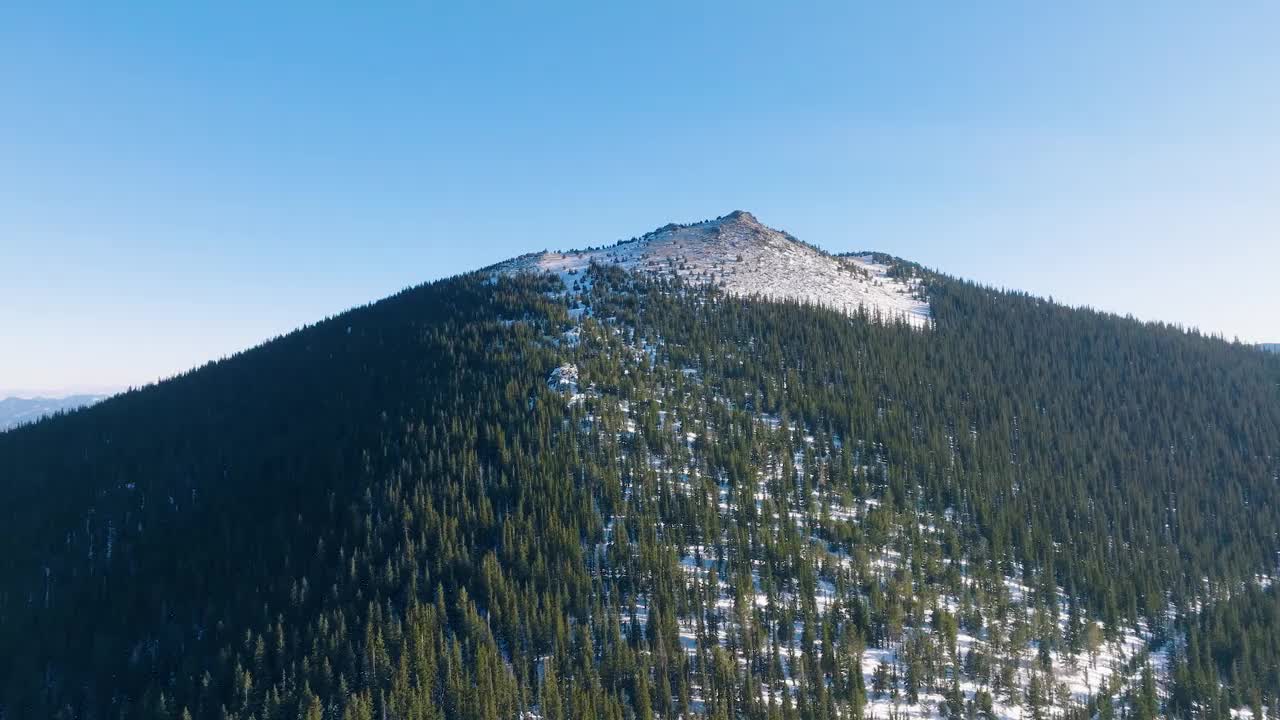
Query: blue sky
(182, 180)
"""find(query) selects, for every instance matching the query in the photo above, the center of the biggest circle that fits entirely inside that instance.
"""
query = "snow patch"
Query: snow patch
(745, 258)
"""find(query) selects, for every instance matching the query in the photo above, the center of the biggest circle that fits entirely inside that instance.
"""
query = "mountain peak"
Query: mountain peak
(741, 216)
(15, 411)
(742, 256)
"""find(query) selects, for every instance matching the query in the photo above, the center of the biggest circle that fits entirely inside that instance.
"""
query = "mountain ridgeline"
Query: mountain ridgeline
(16, 411)
(720, 505)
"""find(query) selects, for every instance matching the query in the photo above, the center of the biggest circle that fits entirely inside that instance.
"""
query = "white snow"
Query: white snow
(742, 256)
(564, 379)
(707, 566)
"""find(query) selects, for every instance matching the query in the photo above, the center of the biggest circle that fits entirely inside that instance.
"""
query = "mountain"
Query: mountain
(15, 411)
(1270, 347)
(656, 480)
(741, 256)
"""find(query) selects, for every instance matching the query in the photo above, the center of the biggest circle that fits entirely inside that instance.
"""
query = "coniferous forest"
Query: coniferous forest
(499, 497)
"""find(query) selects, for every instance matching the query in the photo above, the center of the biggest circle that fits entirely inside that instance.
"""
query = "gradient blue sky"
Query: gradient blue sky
(182, 180)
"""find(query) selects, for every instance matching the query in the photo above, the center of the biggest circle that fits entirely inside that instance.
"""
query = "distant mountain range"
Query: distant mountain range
(15, 411)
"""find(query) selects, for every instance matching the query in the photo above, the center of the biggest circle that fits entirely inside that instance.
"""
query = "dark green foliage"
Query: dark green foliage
(1238, 640)
(389, 514)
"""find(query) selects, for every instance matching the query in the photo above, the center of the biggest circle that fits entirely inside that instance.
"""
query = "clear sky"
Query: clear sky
(182, 180)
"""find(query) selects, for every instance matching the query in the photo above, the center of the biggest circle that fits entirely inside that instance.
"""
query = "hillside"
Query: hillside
(607, 491)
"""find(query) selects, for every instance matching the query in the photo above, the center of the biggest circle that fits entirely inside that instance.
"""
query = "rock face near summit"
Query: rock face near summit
(744, 257)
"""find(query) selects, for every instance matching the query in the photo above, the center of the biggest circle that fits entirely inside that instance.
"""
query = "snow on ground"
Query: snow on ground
(742, 256)
(564, 379)
(706, 565)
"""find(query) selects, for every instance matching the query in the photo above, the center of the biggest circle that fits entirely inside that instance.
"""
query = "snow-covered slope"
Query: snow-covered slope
(739, 254)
